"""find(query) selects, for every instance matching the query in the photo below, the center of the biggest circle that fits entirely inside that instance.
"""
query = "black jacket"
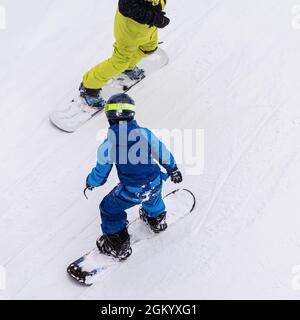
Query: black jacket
(141, 11)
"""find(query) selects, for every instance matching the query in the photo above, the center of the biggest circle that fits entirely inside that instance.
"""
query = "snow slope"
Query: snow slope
(234, 72)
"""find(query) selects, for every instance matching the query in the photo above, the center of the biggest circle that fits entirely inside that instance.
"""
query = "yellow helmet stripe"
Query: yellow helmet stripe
(120, 106)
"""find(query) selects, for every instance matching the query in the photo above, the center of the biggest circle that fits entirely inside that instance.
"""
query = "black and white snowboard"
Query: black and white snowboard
(91, 267)
(77, 112)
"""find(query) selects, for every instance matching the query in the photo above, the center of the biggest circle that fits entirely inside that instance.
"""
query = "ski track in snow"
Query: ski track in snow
(235, 65)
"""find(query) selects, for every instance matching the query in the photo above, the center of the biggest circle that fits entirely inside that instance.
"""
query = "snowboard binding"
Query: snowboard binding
(92, 97)
(75, 271)
(116, 245)
(157, 224)
(130, 78)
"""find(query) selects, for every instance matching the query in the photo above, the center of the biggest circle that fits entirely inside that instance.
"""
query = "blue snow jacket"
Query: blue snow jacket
(135, 151)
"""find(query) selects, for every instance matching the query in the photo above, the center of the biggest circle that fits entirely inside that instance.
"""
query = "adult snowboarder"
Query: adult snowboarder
(135, 152)
(136, 36)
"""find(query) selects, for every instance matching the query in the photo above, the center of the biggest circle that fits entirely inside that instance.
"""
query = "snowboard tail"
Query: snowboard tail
(93, 265)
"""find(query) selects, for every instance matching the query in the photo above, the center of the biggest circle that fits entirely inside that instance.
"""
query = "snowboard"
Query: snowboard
(78, 112)
(92, 266)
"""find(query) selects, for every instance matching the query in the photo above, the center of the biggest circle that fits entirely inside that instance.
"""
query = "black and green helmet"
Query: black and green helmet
(120, 107)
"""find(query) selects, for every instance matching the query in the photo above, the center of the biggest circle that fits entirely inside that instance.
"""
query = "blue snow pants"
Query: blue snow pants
(113, 206)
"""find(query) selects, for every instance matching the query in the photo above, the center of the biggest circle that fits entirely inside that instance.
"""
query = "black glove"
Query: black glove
(176, 176)
(160, 20)
(89, 187)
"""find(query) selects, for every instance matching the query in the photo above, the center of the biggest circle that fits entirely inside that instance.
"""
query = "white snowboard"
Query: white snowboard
(92, 266)
(77, 112)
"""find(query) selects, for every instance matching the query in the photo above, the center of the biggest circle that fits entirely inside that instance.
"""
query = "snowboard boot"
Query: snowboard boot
(116, 245)
(136, 74)
(92, 97)
(157, 224)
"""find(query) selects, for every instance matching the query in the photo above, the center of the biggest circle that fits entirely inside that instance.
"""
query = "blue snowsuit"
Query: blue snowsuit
(135, 151)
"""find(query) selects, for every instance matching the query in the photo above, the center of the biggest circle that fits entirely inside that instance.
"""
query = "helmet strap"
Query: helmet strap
(118, 121)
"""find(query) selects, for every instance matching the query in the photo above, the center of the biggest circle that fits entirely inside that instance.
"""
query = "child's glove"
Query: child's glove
(89, 187)
(160, 20)
(176, 176)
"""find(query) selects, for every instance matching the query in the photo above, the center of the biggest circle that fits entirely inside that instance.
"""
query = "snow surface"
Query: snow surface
(234, 72)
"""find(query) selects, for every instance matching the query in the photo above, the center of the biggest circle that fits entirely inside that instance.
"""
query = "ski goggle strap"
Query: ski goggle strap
(120, 106)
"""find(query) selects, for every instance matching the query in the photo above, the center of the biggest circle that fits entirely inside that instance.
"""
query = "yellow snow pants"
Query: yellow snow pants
(134, 41)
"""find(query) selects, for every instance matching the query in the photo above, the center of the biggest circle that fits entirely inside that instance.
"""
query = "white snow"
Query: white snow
(234, 72)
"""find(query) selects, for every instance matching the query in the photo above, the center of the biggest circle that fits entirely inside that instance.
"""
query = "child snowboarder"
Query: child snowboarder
(135, 32)
(135, 151)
